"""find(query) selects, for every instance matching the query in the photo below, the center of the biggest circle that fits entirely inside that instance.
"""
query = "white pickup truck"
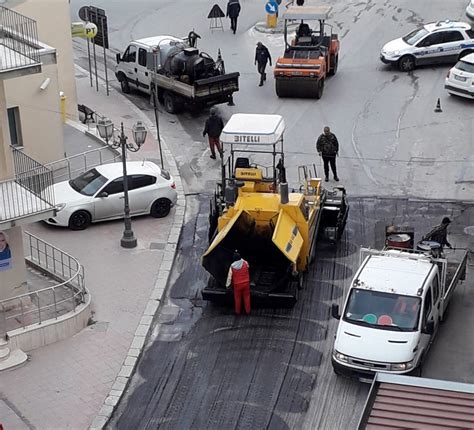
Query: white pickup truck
(392, 311)
(181, 73)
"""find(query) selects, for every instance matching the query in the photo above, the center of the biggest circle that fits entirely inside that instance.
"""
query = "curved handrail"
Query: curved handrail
(51, 302)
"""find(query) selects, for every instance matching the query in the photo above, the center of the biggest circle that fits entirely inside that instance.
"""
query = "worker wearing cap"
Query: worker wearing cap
(213, 128)
(440, 233)
(239, 278)
(262, 56)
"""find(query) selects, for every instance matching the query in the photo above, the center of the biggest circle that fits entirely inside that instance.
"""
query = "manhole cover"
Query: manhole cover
(469, 230)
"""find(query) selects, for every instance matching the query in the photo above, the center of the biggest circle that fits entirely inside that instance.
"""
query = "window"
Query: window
(427, 306)
(130, 55)
(452, 36)
(15, 126)
(435, 289)
(464, 66)
(142, 56)
(88, 183)
(432, 39)
(115, 187)
(415, 35)
(470, 33)
(140, 181)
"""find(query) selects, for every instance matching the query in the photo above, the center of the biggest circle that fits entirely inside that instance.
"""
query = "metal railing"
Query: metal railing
(74, 165)
(36, 307)
(29, 192)
(19, 45)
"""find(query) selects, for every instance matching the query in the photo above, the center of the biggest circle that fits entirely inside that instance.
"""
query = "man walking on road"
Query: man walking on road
(239, 277)
(233, 10)
(213, 129)
(262, 55)
(328, 148)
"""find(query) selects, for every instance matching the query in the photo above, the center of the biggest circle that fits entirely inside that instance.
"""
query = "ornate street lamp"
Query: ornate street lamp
(105, 128)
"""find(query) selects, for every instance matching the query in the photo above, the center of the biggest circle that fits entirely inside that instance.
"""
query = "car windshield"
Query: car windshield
(88, 183)
(465, 66)
(383, 310)
(415, 35)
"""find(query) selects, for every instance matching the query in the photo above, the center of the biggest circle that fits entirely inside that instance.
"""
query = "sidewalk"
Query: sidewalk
(67, 384)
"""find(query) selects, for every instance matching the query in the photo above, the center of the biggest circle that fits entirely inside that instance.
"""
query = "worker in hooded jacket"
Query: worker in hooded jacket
(239, 278)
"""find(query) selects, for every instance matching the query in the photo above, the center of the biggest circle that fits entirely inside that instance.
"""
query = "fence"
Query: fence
(19, 45)
(35, 307)
(73, 166)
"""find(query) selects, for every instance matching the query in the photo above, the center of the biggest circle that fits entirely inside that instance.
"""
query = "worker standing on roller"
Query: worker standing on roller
(239, 278)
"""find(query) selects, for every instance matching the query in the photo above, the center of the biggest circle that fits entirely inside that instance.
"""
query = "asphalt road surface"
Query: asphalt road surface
(205, 368)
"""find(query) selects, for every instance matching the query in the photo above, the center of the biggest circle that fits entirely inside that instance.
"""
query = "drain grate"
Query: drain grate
(157, 245)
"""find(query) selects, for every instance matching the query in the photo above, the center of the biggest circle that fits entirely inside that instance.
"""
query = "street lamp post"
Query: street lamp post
(106, 131)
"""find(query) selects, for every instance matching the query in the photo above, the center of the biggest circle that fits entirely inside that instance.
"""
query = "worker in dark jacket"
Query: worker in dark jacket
(262, 56)
(328, 148)
(233, 10)
(239, 277)
(213, 129)
(440, 233)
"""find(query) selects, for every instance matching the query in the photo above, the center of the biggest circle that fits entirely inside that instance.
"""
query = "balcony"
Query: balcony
(28, 197)
(21, 53)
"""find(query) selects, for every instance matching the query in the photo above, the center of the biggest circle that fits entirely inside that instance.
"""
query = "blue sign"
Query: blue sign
(271, 8)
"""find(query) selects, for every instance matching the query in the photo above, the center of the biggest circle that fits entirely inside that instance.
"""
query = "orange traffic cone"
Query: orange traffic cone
(438, 106)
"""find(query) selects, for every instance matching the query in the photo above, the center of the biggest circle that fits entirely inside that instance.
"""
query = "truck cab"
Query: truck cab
(392, 312)
(133, 69)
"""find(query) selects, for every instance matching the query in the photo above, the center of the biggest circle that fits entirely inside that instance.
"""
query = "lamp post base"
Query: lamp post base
(128, 240)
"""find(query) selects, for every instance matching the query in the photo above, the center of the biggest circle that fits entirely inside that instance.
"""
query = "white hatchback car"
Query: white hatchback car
(97, 195)
(434, 43)
(460, 78)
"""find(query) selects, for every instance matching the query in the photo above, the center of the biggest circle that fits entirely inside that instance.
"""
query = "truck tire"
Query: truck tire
(171, 103)
(320, 88)
(333, 70)
(123, 83)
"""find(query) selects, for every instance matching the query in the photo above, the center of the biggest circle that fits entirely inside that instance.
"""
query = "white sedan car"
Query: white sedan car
(460, 79)
(97, 195)
(434, 43)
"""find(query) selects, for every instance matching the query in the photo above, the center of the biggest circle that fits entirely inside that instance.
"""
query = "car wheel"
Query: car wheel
(160, 208)
(124, 84)
(320, 89)
(79, 220)
(464, 53)
(406, 63)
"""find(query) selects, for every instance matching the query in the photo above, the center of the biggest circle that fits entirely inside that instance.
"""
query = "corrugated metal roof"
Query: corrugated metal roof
(418, 403)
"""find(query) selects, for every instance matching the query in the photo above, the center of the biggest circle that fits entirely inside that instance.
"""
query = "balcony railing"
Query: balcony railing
(19, 45)
(29, 193)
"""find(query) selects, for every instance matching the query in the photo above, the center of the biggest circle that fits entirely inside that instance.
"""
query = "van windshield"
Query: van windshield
(383, 310)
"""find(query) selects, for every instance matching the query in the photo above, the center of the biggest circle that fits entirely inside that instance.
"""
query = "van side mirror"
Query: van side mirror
(335, 311)
(429, 328)
(117, 57)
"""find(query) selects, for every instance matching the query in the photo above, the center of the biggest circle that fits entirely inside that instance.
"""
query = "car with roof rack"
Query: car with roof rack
(434, 43)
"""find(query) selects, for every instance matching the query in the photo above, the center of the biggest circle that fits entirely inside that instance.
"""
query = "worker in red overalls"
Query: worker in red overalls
(239, 278)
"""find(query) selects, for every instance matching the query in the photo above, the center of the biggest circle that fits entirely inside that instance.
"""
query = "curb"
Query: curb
(261, 27)
(144, 328)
